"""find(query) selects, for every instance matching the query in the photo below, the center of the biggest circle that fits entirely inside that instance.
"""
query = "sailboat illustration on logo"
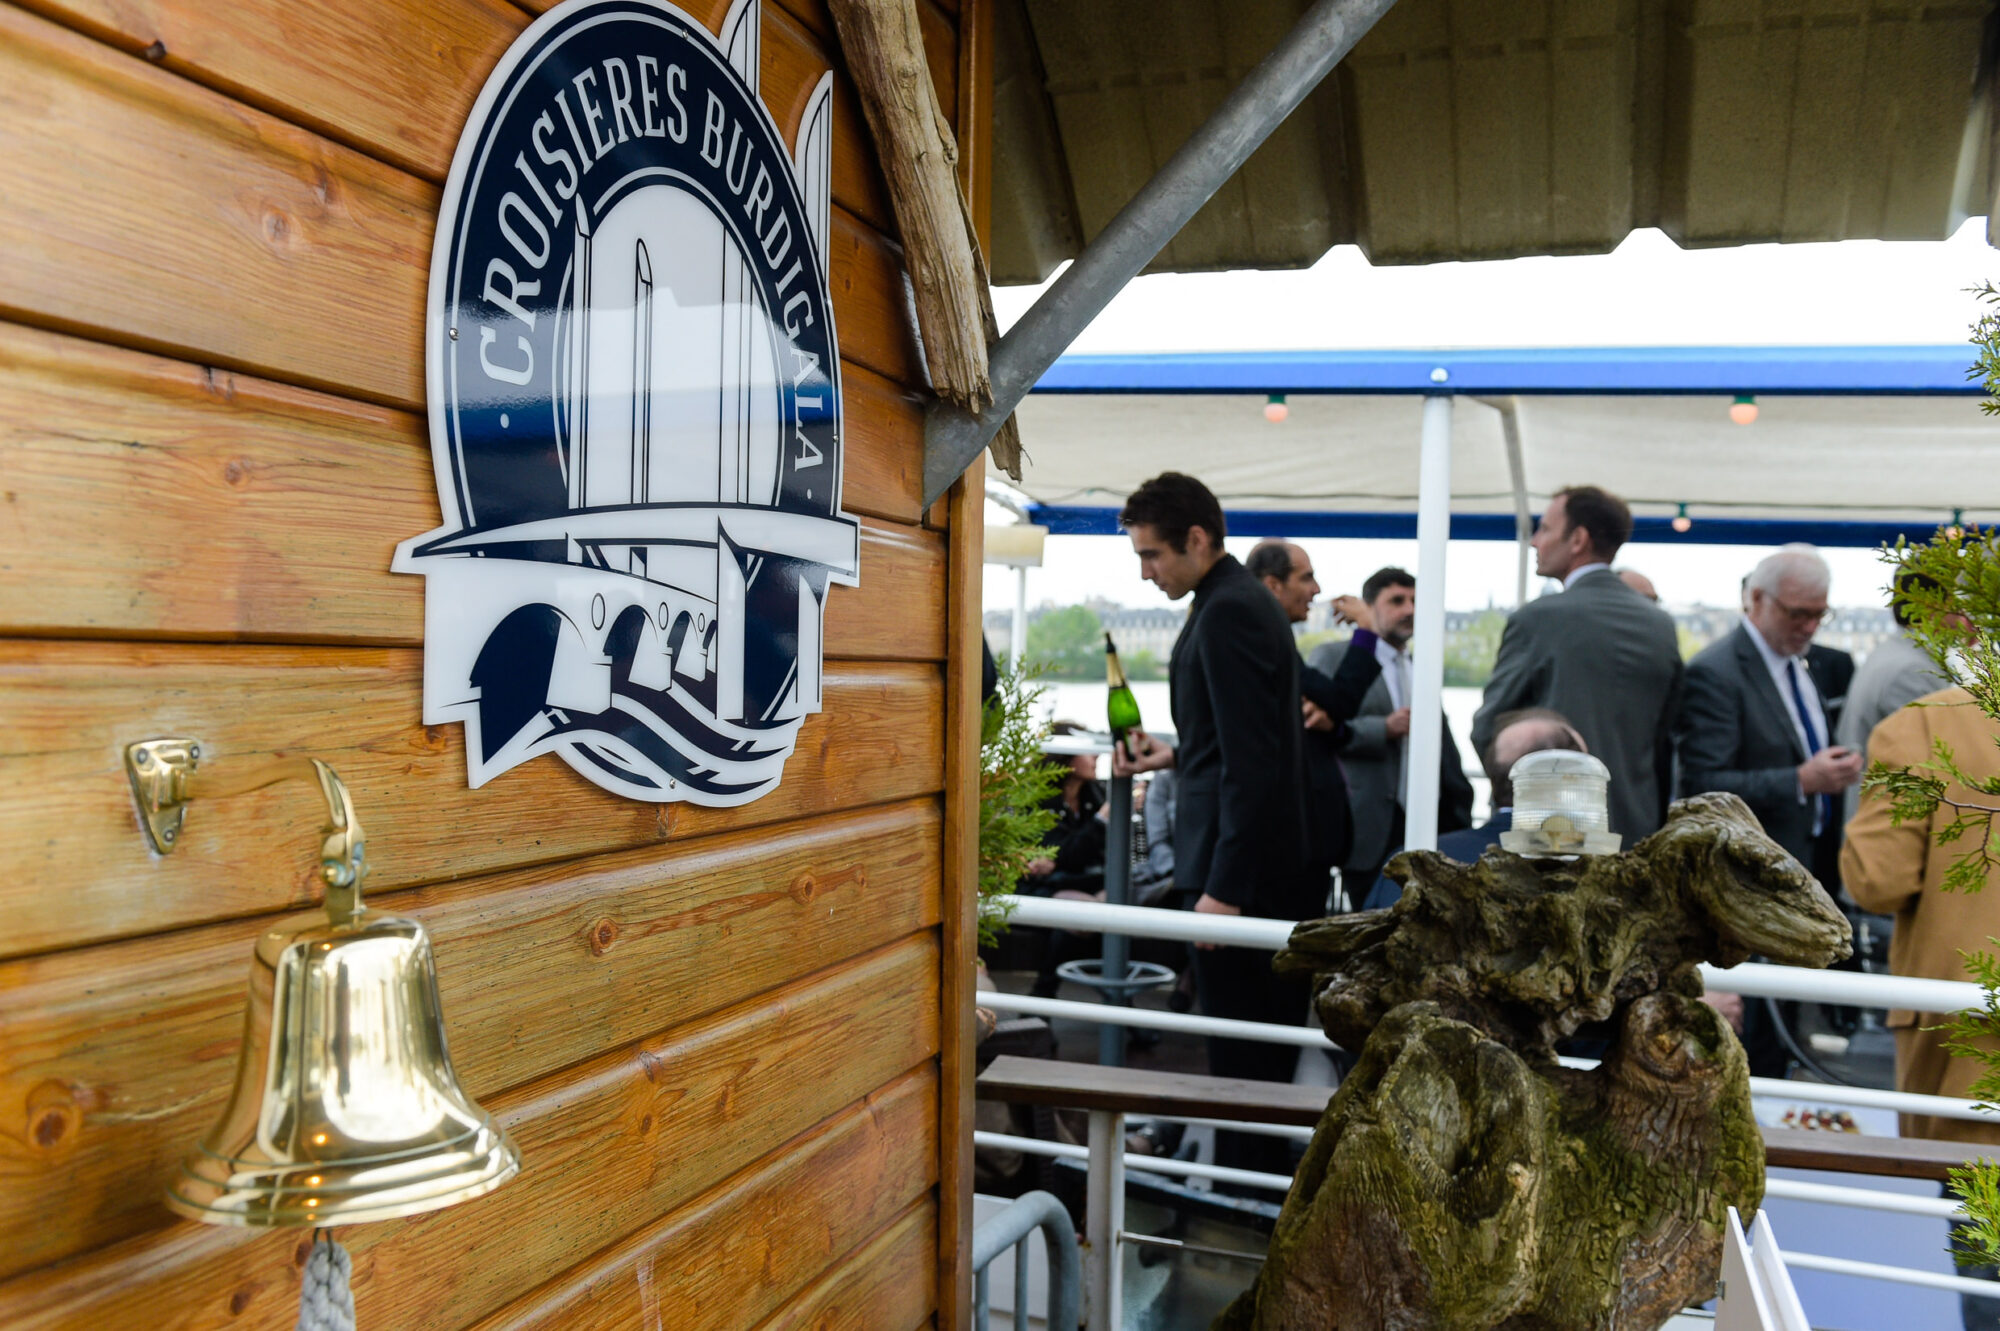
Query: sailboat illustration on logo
(648, 483)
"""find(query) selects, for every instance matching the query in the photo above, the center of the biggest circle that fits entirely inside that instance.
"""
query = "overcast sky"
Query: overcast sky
(1648, 292)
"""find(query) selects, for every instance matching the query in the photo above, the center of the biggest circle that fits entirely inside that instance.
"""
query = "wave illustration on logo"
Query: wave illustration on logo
(634, 394)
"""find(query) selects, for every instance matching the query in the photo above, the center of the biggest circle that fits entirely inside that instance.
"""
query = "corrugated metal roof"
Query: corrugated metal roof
(1477, 129)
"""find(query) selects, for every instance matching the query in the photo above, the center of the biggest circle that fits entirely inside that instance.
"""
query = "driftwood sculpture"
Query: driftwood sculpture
(1463, 1180)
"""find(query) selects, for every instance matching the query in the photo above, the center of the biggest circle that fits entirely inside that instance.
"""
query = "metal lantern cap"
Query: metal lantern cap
(1561, 805)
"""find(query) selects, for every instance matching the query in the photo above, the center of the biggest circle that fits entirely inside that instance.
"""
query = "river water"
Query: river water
(1084, 703)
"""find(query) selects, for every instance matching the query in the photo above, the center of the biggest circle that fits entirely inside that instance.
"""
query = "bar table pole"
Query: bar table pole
(1117, 892)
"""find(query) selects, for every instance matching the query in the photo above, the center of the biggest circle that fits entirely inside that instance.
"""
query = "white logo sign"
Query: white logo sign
(634, 394)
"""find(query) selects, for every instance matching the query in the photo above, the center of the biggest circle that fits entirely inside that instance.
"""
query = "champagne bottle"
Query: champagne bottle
(1122, 708)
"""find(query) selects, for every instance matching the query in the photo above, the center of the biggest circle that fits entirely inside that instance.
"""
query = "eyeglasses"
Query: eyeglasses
(1802, 615)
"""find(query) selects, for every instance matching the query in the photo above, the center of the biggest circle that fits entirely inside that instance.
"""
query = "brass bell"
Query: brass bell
(346, 1108)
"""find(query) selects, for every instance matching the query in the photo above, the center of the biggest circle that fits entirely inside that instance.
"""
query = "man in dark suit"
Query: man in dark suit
(1329, 829)
(1372, 745)
(1599, 653)
(1755, 719)
(1754, 722)
(1239, 818)
(1517, 735)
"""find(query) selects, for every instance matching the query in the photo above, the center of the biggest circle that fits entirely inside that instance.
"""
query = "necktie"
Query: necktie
(1813, 745)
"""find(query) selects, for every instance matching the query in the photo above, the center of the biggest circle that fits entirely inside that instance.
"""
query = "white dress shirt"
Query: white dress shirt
(1395, 664)
(1569, 578)
(1776, 665)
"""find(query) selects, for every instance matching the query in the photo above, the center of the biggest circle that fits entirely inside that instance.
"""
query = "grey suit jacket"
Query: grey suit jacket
(1374, 766)
(1609, 660)
(1736, 734)
(1896, 674)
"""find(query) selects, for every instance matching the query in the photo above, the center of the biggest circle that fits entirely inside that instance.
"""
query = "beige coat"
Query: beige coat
(1897, 871)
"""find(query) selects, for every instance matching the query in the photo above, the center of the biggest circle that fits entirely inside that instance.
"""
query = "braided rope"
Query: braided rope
(325, 1301)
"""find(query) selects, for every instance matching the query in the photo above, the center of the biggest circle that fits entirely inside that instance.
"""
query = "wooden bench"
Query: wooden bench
(1040, 1081)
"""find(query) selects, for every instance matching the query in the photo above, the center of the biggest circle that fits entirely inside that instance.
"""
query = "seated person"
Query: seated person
(1515, 736)
(1073, 866)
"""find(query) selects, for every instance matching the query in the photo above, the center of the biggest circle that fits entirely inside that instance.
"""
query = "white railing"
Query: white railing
(1312, 1037)
(1852, 988)
(1107, 1163)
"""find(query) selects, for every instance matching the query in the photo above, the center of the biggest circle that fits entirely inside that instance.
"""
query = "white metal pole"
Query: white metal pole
(1018, 644)
(1425, 745)
(1104, 1220)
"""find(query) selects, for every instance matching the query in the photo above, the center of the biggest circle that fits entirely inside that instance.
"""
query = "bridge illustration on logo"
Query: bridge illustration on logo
(635, 412)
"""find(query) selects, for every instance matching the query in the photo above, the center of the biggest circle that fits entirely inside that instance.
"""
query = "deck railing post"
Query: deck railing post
(1104, 1220)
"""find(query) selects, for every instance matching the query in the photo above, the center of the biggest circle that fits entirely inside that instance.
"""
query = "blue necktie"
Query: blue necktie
(1812, 736)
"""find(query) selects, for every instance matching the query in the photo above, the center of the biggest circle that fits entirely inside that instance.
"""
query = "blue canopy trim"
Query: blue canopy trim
(1093, 521)
(1803, 371)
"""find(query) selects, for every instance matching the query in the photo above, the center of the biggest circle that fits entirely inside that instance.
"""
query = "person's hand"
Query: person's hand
(1148, 754)
(1353, 610)
(1139, 796)
(1316, 718)
(1041, 867)
(1730, 1006)
(1397, 723)
(1208, 905)
(1830, 771)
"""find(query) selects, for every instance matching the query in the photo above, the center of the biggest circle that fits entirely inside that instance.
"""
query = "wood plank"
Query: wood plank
(733, 1255)
(1048, 1081)
(396, 80)
(75, 869)
(117, 1057)
(1889, 1157)
(240, 476)
(888, 1283)
(960, 933)
(882, 446)
(606, 1147)
(289, 254)
(295, 258)
(392, 80)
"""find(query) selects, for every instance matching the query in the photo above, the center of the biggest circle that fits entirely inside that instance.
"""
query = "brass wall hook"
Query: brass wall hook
(165, 780)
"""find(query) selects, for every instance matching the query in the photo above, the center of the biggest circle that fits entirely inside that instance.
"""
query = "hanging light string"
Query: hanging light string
(326, 1303)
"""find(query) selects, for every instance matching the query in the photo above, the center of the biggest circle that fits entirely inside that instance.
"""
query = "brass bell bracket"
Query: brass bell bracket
(163, 773)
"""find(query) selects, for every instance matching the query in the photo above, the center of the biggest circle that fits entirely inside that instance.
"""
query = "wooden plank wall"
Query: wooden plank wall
(717, 1036)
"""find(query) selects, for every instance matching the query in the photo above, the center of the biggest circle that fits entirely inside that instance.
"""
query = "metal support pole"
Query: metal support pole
(1104, 1220)
(1142, 228)
(1017, 646)
(1425, 746)
(1117, 892)
(1517, 473)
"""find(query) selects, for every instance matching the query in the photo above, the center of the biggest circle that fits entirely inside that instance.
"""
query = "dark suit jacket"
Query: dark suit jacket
(1833, 670)
(1465, 845)
(1239, 816)
(1374, 764)
(1340, 690)
(1736, 734)
(1609, 660)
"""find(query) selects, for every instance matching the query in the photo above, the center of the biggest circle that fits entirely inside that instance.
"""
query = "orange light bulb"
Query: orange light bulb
(1275, 409)
(1744, 409)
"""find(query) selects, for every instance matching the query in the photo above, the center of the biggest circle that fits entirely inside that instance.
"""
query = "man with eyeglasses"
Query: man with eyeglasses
(1754, 719)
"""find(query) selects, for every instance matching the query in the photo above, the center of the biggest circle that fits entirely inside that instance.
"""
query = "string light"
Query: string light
(1744, 409)
(1681, 519)
(1275, 409)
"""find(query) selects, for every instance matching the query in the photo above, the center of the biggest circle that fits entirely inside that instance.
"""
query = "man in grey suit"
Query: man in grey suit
(1371, 746)
(1896, 674)
(1599, 653)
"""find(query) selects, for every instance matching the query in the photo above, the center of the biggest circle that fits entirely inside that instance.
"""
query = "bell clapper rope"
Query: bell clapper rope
(325, 1301)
